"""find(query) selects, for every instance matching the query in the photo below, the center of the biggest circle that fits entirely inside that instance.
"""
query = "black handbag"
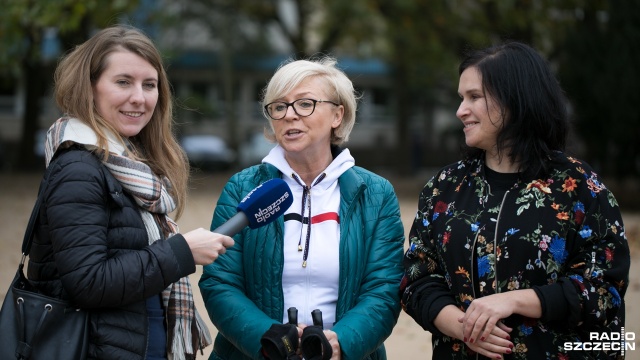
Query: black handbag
(34, 326)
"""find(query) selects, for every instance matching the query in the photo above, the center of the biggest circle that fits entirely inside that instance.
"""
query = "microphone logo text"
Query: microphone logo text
(263, 214)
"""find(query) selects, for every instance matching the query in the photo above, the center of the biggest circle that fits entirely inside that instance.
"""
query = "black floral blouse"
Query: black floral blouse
(561, 236)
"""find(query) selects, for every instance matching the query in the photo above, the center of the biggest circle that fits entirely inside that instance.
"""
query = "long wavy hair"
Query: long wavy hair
(156, 145)
(530, 98)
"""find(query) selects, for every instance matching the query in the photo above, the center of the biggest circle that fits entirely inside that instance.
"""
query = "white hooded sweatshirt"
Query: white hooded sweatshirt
(314, 286)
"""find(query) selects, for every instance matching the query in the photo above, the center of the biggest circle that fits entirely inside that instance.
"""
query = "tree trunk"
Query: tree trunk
(33, 74)
(403, 156)
(228, 78)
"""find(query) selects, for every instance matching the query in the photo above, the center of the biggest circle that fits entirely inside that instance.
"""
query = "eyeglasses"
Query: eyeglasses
(303, 107)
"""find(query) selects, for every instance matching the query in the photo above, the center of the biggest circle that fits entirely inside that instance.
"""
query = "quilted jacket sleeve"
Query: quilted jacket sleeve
(364, 327)
(223, 282)
(88, 240)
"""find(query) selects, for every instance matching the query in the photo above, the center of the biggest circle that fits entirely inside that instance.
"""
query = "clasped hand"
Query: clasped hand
(483, 330)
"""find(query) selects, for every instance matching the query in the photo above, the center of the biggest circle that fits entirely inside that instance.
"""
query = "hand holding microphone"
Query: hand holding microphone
(207, 246)
(261, 206)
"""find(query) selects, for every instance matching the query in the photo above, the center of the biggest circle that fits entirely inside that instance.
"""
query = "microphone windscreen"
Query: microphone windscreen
(266, 202)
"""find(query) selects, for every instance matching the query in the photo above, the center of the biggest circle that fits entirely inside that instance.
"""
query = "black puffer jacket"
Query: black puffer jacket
(91, 247)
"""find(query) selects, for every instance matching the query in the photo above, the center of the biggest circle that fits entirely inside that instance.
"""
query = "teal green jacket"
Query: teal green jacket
(242, 289)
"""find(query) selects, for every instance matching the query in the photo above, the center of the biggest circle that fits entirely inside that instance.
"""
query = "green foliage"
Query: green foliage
(23, 26)
(594, 46)
(598, 68)
(23, 23)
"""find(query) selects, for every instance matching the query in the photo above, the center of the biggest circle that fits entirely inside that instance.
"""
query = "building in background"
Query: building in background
(217, 94)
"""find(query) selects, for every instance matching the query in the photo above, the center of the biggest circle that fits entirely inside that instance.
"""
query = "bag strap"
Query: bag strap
(28, 234)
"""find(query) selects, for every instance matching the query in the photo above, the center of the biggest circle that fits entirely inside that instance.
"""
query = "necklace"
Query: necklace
(306, 205)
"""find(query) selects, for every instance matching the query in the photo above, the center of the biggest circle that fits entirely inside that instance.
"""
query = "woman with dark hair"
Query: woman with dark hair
(522, 86)
(518, 249)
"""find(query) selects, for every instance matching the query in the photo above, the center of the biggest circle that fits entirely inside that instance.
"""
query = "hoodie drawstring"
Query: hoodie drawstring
(306, 202)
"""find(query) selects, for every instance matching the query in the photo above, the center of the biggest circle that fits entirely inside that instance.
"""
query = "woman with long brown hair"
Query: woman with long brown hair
(104, 239)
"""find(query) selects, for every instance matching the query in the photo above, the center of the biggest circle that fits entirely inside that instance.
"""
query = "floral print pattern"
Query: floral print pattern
(562, 236)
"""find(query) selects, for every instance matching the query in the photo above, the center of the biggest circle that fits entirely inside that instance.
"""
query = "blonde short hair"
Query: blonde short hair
(340, 90)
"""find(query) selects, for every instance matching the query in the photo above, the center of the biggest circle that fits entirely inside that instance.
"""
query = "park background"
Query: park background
(402, 56)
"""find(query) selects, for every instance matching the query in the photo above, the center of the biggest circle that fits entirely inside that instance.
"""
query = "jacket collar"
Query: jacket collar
(351, 186)
(351, 183)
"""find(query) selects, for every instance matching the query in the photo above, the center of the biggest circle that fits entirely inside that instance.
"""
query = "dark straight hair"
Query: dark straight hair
(534, 105)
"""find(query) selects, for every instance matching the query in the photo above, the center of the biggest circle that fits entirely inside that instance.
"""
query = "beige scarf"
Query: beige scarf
(187, 330)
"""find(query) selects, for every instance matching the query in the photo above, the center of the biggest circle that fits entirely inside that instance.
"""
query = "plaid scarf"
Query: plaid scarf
(186, 329)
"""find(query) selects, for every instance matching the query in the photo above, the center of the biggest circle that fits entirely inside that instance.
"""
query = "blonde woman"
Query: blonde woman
(337, 249)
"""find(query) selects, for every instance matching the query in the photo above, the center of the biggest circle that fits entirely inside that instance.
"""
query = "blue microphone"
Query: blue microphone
(261, 206)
